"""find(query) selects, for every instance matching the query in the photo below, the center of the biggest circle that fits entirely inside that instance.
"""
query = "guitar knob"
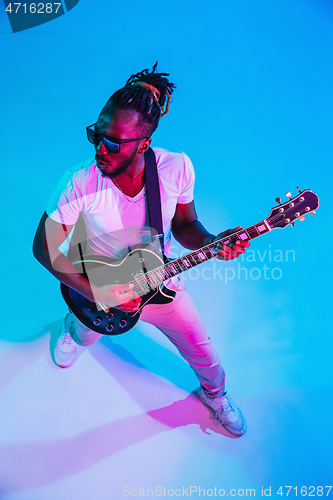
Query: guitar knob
(288, 195)
(110, 327)
(278, 200)
(313, 212)
(110, 316)
(97, 320)
(123, 323)
(302, 217)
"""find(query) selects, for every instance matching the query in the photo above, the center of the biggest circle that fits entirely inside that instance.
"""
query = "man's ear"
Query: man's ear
(144, 146)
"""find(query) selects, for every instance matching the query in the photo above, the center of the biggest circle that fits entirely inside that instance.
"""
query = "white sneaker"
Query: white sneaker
(226, 412)
(65, 348)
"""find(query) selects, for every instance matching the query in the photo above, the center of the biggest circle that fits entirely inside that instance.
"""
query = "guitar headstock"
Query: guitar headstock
(286, 213)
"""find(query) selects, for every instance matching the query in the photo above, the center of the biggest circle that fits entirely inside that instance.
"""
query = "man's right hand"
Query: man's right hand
(118, 296)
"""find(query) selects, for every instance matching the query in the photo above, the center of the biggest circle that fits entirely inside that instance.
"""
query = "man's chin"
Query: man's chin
(107, 175)
(104, 173)
(103, 168)
(115, 170)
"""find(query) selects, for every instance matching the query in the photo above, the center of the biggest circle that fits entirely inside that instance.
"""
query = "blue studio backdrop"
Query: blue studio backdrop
(253, 110)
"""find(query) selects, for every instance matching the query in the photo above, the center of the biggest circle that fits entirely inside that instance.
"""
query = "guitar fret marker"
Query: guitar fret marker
(243, 236)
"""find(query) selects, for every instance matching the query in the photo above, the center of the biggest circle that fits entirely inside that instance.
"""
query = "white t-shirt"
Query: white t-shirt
(115, 222)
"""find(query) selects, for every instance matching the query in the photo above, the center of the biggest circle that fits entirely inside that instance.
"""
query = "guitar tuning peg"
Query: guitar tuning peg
(299, 189)
(302, 217)
(278, 200)
(313, 212)
(292, 224)
(288, 195)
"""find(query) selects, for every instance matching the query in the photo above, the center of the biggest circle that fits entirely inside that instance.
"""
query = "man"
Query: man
(109, 193)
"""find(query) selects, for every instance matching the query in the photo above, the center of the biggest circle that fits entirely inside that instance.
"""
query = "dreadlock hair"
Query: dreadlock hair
(147, 93)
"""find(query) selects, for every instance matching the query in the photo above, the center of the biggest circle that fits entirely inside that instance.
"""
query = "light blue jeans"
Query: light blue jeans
(181, 323)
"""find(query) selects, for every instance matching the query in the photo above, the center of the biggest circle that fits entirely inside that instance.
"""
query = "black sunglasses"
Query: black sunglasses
(112, 144)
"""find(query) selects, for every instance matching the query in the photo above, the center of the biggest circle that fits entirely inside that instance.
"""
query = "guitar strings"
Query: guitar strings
(152, 279)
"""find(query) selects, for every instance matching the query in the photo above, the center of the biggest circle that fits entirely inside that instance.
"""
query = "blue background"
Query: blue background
(253, 111)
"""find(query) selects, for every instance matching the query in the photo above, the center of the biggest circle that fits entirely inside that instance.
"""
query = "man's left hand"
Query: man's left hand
(232, 250)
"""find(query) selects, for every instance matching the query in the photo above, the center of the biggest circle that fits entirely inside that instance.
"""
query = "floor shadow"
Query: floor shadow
(116, 359)
(22, 354)
(39, 464)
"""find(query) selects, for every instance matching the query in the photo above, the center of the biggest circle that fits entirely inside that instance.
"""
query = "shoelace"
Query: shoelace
(222, 412)
(65, 338)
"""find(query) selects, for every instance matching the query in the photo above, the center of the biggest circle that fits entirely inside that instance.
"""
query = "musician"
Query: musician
(109, 193)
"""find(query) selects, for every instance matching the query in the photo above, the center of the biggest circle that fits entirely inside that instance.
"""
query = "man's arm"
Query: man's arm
(49, 236)
(190, 233)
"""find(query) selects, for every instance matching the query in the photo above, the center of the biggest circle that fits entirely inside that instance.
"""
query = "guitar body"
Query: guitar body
(100, 271)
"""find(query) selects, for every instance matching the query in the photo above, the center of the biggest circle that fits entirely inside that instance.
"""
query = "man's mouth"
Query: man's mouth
(100, 163)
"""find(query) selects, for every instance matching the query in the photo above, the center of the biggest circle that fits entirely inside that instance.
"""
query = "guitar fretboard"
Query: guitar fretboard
(155, 277)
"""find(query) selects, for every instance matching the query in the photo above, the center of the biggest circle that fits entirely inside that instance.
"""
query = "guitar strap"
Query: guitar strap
(154, 198)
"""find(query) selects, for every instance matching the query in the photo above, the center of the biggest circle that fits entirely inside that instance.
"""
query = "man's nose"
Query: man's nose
(101, 149)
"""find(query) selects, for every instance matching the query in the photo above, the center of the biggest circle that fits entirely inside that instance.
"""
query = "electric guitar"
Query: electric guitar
(147, 269)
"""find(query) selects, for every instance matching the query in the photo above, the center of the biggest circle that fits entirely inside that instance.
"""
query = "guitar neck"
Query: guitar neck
(193, 259)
